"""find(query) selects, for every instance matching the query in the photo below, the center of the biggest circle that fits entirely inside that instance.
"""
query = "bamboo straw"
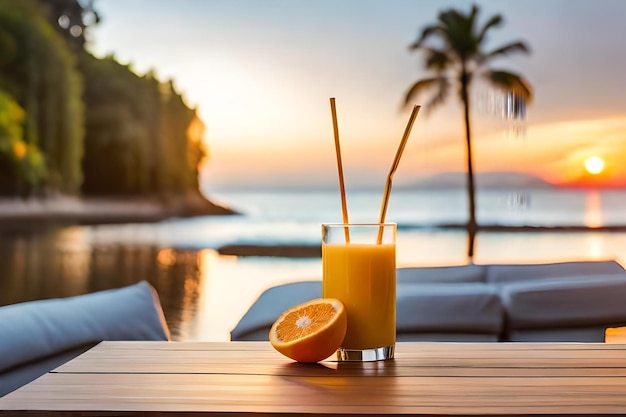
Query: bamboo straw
(394, 167)
(344, 204)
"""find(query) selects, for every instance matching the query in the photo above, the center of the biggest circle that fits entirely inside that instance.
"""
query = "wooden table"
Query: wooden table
(185, 379)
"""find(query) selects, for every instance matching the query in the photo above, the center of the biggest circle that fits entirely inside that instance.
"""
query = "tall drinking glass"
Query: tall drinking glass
(359, 269)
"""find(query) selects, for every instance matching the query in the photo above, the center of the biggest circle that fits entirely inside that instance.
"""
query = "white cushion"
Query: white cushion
(457, 308)
(563, 302)
(36, 329)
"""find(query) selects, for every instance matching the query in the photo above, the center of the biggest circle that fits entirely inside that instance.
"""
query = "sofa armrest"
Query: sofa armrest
(256, 322)
(37, 329)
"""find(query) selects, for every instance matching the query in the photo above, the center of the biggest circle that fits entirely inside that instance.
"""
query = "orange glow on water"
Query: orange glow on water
(593, 210)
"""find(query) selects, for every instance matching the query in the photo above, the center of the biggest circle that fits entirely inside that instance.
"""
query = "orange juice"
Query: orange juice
(363, 277)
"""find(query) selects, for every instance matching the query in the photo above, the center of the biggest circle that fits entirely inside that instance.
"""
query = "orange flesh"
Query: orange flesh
(304, 321)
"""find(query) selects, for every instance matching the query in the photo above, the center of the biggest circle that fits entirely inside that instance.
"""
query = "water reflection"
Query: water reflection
(60, 264)
(595, 246)
(593, 210)
(204, 294)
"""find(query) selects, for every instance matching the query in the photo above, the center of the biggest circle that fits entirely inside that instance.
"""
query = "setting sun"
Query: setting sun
(594, 165)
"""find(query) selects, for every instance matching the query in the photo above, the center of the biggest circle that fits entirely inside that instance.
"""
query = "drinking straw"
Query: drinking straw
(394, 167)
(344, 204)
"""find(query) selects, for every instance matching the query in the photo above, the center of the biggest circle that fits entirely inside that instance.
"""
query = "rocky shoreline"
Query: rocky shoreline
(18, 213)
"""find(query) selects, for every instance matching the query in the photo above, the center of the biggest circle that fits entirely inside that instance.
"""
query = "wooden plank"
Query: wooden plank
(167, 378)
(396, 367)
(403, 347)
(260, 358)
(388, 371)
(361, 395)
(403, 350)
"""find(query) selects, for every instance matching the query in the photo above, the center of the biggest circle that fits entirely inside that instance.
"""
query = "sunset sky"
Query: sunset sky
(261, 74)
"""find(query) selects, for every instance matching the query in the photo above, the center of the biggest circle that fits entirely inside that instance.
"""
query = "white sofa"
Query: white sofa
(565, 301)
(38, 336)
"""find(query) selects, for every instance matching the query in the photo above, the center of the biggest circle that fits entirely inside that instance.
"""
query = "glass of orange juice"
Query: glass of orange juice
(359, 269)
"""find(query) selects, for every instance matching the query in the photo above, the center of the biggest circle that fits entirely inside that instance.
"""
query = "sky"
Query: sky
(261, 73)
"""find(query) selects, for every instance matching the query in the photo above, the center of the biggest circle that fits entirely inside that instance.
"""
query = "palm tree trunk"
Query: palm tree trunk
(471, 224)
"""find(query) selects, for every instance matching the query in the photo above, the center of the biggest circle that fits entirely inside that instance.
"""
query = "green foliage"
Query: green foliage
(68, 115)
(39, 70)
(21, 165)
(137, 139)
(70, 18)
(183, 146)
(12, 117)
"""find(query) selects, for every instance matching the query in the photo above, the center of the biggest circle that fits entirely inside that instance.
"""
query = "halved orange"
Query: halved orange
(311, 331)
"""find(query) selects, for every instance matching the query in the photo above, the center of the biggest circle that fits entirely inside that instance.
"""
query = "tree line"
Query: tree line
(75, 124)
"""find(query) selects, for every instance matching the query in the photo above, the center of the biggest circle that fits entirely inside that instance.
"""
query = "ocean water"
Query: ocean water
(285, 216)
(204, 294)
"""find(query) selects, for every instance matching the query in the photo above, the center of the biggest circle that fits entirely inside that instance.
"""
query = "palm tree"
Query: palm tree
(455, 57)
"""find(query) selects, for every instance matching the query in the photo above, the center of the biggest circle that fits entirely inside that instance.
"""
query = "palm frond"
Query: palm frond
(471, 20)
(442, 93)
(509, 81)
(418, 88)
(458, 32)
(426, 33)
(507, 49)
(494, 21)
(452, 18)
(441, 84)
(436, 59)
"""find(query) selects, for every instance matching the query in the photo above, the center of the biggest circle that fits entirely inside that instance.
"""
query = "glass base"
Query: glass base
(365, 355)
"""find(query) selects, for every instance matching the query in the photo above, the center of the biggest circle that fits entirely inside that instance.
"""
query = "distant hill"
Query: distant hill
(484, 180)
